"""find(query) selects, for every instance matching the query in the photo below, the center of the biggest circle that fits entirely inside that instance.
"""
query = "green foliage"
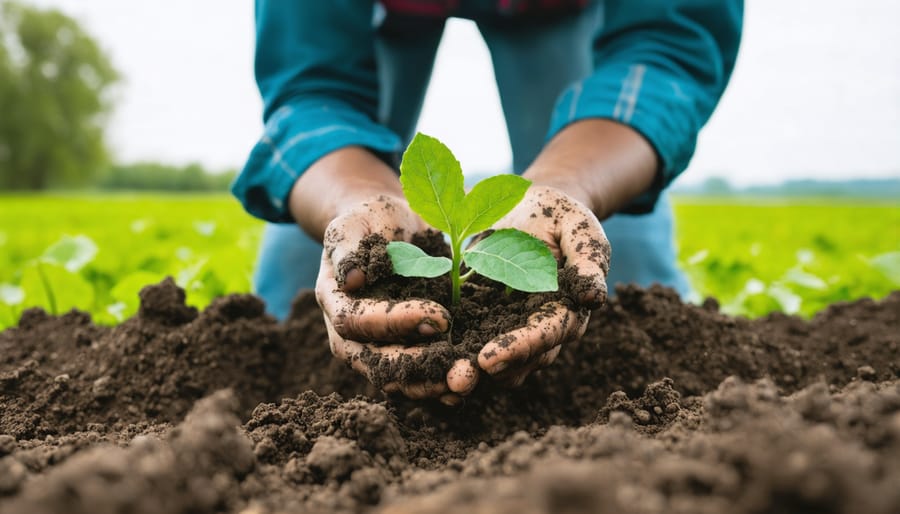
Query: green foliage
(432, 182)
(54, 287)
(154, 176)
(523, 263)
(794, 256)
(411, 261)
(755, 257)
(95, 253)
(54, 97)
(72, 253)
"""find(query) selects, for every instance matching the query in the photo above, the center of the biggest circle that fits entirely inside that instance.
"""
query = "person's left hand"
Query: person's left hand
(575, 237)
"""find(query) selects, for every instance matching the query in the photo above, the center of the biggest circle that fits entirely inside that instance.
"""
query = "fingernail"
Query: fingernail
(354, 279)
(499, 368)
(427, 330)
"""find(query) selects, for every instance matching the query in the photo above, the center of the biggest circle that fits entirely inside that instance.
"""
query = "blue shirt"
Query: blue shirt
(660, 67)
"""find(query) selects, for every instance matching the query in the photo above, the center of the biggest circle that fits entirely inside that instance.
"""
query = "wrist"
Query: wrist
(336, 183)
(566, 181)
(601, 163)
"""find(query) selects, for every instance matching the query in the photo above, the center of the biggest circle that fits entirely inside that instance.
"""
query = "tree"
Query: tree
(717, 186)
(55, 96)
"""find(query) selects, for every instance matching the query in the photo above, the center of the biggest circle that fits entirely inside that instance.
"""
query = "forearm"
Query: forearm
(336, 182)
(601, 163)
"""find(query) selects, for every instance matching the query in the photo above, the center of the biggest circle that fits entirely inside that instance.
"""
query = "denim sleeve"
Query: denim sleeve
(660, 67)
(315, 68)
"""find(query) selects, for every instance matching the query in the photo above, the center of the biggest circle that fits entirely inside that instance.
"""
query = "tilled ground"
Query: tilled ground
(662, 407)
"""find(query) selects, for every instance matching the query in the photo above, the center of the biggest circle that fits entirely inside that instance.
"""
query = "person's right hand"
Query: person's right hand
(358, 326)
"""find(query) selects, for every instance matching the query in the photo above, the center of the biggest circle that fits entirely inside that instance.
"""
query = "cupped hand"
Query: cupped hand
(576, 239)
(361, 327)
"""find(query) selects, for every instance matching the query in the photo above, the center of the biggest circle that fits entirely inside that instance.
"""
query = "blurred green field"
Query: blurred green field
(795, 256)
(96, 252)
(206, 242)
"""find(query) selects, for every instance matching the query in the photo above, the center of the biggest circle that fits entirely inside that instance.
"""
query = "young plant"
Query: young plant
(432, 182)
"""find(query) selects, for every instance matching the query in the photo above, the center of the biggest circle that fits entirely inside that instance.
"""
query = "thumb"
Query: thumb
(587, 253)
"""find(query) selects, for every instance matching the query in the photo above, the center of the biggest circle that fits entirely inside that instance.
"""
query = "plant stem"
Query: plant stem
(455, 282)
(48, 290)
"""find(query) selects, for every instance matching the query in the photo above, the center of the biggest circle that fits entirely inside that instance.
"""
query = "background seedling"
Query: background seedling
(432, 181)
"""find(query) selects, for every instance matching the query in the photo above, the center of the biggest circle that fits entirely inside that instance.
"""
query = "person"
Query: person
(603, 101)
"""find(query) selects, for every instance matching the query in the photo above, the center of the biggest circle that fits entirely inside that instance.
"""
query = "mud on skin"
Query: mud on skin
(485, 311)
(661, 407)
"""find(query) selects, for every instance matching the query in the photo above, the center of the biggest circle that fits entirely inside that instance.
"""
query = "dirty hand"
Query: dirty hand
(360, 329)
(576, 239)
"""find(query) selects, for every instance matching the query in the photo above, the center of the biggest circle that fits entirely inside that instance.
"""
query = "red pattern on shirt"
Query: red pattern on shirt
(446, 8)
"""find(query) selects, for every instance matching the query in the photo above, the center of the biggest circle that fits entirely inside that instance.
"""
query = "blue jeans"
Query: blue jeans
(532, 65)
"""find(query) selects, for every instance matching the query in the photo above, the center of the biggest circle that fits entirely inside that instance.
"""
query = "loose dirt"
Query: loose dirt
(661, 407)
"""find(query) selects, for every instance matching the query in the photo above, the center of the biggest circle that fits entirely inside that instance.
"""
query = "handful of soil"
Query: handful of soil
(486, 310)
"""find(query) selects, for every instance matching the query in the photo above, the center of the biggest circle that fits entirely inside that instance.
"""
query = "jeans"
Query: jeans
(533, 63)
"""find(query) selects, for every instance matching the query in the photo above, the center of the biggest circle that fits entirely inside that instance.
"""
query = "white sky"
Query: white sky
(816, 92)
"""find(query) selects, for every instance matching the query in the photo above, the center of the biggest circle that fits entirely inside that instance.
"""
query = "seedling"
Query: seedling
(432, 182)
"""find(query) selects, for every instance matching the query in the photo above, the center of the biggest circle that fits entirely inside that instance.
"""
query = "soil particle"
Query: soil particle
(661, 407)
(658, 407)
(333, 459)
(165, 304)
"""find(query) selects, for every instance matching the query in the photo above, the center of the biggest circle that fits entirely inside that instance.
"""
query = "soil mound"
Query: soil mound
(661, 407)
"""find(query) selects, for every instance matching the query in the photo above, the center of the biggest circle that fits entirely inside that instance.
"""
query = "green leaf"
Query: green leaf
(889, 264)
(788, 301)
(55, 288)
(489, 201)
(11, 294)
(432, 182)
(8, 316)
(188, 277)
(516, 259)
(410, 261)
(73, 253)
(205, 228)
(805, 279)
(117, 311)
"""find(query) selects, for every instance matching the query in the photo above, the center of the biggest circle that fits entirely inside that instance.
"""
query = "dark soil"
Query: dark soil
(486, 309)
(661, 407)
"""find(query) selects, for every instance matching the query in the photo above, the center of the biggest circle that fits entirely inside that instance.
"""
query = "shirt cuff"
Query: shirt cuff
(657, 105)
(297, 135)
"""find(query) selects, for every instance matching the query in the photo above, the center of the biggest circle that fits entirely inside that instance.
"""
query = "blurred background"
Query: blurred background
(122, 124)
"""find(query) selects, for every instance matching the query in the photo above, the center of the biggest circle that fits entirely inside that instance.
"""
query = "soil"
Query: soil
(661, 407)
(486, 309)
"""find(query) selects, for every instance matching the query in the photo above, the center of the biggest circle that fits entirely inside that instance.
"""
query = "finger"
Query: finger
(383, 215)
(352, 353)
(519, 377)
(378, 320)
(354, 279)
(424, 390)
(515, 377)
(420, 391)
(585, 248)
(462, 377)
(341, 239)
(546, 329)
(366, 319)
